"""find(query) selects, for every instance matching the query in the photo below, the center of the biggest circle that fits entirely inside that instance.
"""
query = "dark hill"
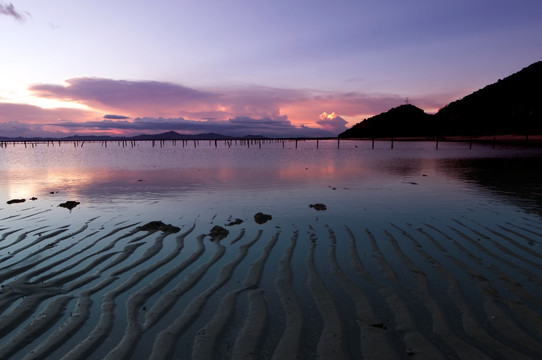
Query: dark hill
(402, 121)
(512, 105)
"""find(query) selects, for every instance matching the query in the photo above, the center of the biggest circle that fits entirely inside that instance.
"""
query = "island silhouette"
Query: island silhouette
(512, 105)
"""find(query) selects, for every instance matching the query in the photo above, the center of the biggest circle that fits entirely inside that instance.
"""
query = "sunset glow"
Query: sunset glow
(244, 68)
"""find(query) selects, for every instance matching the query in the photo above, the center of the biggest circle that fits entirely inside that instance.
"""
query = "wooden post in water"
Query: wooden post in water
(436, 143)
(317, 143)
(392, 142)
(470, 143)
(338, 143)
(373, 143)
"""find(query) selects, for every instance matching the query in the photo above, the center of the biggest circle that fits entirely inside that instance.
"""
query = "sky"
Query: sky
(238, 67)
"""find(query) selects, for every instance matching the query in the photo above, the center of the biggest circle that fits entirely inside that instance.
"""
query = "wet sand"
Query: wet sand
(451, 288)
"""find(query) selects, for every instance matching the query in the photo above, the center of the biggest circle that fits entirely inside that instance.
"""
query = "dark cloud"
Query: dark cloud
(9, 10)
(238, 126)
(116, 117)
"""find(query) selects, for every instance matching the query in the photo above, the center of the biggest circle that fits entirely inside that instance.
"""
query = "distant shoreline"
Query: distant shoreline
(496, 139)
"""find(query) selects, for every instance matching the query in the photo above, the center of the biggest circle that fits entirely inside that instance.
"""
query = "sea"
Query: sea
(459, 223)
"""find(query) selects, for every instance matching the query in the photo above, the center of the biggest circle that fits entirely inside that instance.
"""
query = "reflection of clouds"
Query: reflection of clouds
(101, 174)
(22, 190)
(35, 182)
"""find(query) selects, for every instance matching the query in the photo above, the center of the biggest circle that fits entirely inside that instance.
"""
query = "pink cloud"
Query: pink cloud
(151, 106)
(28, 120)
(137, 97)
(36, 115)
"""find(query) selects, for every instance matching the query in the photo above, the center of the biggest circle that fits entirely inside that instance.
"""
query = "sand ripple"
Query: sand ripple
(456, 289)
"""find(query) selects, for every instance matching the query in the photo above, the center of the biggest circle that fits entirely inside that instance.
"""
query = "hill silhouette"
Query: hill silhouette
(512, 105)
(402, 121)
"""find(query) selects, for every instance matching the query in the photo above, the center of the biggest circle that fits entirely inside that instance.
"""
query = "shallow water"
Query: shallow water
(412, 178)
(417, 219)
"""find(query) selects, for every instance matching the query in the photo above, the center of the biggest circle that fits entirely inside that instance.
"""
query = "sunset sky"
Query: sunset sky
(238, 67)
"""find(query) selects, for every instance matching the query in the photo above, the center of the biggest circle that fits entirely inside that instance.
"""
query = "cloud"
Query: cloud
(30, 121)
(9, 10)
(168, 100)
(332, 122)
(116, 117)
(161, 106)
(136, 96)
(238, 126)
(25, 113)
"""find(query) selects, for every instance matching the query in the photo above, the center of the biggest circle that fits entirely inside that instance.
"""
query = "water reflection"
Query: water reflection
(412, 176)
(516, 179)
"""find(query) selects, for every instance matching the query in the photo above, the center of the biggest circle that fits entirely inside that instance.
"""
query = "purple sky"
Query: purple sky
(277, 68)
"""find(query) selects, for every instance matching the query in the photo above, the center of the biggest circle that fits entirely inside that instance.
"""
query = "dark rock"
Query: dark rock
(16, 201)
(33, 198)
(218, 233)
(158, 226)
(318, 207)
(262, 218)
(235, 222)
(69, 204)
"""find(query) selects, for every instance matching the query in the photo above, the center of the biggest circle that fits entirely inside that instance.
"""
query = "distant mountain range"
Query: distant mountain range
(512, 105)
(170, 135)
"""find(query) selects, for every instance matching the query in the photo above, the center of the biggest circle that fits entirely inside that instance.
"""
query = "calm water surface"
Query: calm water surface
(355, 181)
(427, 205)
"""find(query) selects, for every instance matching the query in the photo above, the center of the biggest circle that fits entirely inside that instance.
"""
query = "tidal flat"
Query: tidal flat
(365, 253)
